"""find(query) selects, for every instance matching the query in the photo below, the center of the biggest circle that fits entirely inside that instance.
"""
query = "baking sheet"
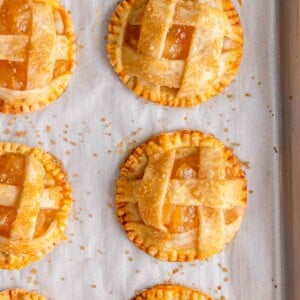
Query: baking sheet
(92, 128)
(290, 71)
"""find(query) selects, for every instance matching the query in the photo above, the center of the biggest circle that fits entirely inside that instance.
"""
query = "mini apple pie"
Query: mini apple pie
(181, 196)
(37, 54)
(34, 203)
(172, 292)
(175, 52)
(20, 295)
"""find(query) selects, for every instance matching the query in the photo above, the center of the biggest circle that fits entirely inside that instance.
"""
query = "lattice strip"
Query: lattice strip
(224, 194)
(202, 63)
(154, 187)
(9, 196)
(211, 161)
(24, 225)
(211, 231)
(186, 13)
(155, 27)
(166, 72)
(42, 47)
(13, 47)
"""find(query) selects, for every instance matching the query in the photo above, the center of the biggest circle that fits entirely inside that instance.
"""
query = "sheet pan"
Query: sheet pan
(95, 124)
(290, 131)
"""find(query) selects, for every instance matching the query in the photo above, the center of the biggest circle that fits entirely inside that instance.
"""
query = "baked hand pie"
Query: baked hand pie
(18, 294)
(171, 292)
(175, 52)
(34, 203)
(37, 54)
(181, 196)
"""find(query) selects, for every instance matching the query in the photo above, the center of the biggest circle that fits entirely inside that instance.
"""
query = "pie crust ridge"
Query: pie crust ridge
(18, 294)
(171, 292)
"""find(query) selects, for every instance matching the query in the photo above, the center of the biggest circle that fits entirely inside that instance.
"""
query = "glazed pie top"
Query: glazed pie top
(34, 204)
(37, 49)
(175, 52)
(172, 292)
(181, 196)
(19, 295)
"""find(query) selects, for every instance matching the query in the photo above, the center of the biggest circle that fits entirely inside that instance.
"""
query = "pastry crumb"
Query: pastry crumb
(225, 270)
(235, 144)
(246, 164)
(20, 134)
(6, 131)
(33, 271)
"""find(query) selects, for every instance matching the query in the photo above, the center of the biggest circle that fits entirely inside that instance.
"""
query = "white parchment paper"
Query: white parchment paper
(92, 127)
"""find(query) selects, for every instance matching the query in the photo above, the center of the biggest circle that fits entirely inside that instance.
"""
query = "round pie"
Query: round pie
(181, 196)
(18, 294)
(171, 292)
(175, 52)
(35, 199)
(37, 54)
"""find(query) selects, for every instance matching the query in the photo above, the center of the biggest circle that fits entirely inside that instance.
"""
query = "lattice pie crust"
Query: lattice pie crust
(181, 196)
(37, 54)
(175, 52)
(35, 199)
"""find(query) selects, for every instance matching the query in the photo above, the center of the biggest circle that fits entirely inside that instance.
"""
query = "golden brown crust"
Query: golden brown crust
(170, 292)
(20, 295)
(26, 101)
(16, 254)
(168, 96)
(142, 220)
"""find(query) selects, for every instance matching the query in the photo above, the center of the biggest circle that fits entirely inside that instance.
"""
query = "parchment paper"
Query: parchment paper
(92, 127)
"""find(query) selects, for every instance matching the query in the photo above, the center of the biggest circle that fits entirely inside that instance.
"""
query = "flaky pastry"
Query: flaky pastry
(181, 196)
(35, 199)
(37, 54)
(175, 52)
